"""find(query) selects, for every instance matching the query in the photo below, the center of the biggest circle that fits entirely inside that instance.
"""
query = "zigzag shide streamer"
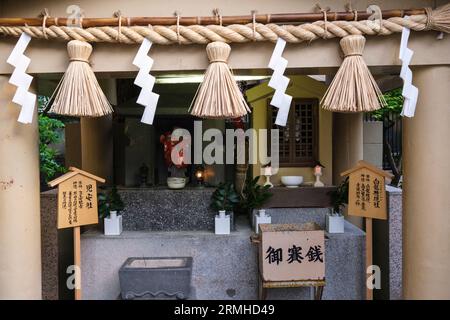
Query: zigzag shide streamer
(409, 92)
(279, 82)
(22, 80)
(146, 81)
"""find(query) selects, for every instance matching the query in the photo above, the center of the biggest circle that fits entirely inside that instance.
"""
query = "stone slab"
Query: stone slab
(160, 209)
(224, 266)
(388, 248)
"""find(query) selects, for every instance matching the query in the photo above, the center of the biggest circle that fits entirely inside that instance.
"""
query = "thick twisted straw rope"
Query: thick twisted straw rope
(233, 33)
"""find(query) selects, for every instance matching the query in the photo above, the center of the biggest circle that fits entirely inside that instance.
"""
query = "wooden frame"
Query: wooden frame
(263, 285)
(293, 162)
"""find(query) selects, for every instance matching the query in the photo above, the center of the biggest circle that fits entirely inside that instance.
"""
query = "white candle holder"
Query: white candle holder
(318, 183)
(267, 172)
(268, 183)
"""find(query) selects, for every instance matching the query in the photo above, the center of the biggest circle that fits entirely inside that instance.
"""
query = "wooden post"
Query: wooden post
(77, 261)
(20, 224)
(369, 291)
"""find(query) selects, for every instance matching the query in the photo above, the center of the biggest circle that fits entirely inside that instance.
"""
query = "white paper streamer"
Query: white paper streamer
(279, 82)
(146, 81)
(22, 80)
(409, 92)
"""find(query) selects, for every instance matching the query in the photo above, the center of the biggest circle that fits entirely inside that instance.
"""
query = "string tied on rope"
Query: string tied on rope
(254, 24)
(178, 26)
(44, 14)
(325, 19)
(218, 16)
(118, 15)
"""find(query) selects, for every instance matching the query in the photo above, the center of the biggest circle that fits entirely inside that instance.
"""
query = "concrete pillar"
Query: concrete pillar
(347, 147)
(20, 226)
(426, 185)
(97, 139)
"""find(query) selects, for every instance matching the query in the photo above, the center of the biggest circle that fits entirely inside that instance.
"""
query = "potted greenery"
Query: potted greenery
(224, 199)
(253, 196)
(109, 205)
(335, 218)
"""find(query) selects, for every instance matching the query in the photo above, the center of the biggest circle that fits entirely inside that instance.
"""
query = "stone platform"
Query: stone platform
(161, 208)
(224, 267)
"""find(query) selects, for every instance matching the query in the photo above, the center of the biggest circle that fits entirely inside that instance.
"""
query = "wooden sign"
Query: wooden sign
(367, 194)
(77, 206)
(77, 198)
(292, 252)
(367, 198)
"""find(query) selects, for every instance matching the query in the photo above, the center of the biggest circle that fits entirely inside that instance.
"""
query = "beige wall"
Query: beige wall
(300, 87)
(315, 58)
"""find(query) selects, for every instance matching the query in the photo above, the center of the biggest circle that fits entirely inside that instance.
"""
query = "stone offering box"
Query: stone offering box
(148, 278)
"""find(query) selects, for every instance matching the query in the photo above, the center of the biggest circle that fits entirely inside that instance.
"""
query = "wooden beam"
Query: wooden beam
(282, 18)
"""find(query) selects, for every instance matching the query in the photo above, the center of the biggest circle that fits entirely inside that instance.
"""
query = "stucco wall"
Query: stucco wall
(321, 56)
(299, 87)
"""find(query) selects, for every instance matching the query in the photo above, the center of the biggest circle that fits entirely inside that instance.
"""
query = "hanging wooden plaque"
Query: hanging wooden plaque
(77, 198)
(367, 193)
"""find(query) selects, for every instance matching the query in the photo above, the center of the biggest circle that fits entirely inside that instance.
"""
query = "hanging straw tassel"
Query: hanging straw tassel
(218, 96)
(78, 93)
(439, 18)
(353, 89)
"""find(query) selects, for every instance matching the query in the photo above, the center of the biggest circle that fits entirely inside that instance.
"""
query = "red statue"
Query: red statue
(168, 144)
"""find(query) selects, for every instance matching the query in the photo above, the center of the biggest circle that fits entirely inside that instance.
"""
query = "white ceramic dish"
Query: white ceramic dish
(176, 183)
(292, 181)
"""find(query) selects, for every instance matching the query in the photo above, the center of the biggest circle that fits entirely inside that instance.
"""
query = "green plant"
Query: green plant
(339, 197)
(394, 104)
(253, 195)
(224, 197)
(110, 201)
(48, 134)
(392, 110)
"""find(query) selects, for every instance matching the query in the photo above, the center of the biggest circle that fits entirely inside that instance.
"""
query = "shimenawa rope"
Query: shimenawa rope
(438, 19)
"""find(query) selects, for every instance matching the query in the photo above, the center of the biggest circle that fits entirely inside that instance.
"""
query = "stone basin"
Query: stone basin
(151, 277)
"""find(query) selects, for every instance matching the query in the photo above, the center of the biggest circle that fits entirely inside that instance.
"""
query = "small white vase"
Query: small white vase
(261, 218)
(113, 224)
(222, 223)
(335, 223)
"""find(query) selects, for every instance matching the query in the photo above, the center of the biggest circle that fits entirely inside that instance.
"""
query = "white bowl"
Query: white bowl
(176, 183)
(292, 181)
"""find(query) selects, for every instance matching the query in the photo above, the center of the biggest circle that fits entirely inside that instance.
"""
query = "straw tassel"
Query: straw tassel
(218, 96)
(439, 18)
(353, 89)
(78, 93)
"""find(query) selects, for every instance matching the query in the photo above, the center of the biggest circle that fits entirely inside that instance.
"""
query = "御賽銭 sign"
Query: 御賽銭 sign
(77, 198)
(366, 193)
(292, 252)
